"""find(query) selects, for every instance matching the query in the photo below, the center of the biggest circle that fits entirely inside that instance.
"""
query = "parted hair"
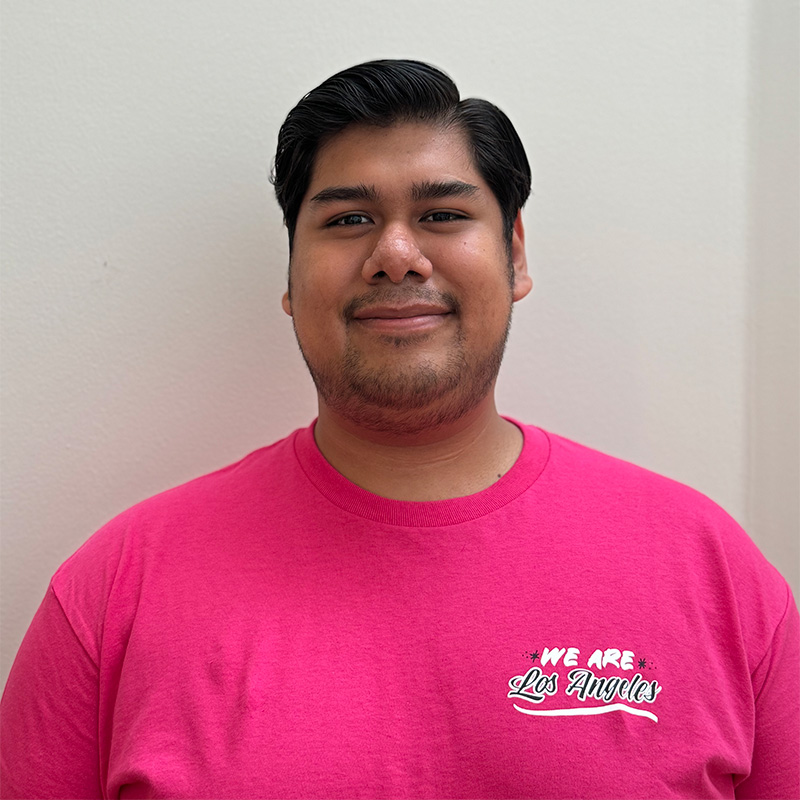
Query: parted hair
(387, 92)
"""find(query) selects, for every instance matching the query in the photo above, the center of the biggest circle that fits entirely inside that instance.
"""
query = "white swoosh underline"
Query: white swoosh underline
(585, 711)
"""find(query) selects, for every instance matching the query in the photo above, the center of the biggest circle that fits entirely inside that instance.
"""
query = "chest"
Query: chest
(409, 677)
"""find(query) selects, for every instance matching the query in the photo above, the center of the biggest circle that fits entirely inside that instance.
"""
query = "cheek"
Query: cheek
(316, 312)
(321, 276)
(458, 257)
(487, 286)
(473, 261)
(489, 295)
(309, 291)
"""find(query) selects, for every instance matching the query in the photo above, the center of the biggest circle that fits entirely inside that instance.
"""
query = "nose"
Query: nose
(395, 256)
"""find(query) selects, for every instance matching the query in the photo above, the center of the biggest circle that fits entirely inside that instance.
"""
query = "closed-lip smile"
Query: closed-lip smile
(398, 319)
(400, 312)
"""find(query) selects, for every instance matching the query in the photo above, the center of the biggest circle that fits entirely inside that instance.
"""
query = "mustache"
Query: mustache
(399, 296)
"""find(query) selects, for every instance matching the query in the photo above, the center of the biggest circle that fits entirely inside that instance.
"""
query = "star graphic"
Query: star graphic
(642, 663)
(534, 655)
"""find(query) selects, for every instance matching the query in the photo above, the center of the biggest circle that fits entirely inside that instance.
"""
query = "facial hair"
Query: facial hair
(401, 399)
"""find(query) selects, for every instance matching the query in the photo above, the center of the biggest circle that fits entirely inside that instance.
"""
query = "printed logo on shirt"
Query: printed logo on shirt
(608, 680)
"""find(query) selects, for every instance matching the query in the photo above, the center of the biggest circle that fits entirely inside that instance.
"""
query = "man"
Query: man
(413, 597)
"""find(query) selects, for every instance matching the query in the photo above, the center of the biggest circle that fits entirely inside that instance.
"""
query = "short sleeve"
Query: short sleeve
(49, 719)
(775, 771)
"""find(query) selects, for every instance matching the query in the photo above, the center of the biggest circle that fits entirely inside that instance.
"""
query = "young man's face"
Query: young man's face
(401, 282)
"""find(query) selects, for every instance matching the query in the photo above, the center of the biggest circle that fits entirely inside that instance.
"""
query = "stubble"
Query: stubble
(405, 395)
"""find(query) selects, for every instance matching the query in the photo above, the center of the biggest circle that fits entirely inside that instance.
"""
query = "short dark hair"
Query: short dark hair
(387, 92)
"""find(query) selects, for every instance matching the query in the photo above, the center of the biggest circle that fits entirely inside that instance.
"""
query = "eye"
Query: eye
(442, 216)
(350, 219)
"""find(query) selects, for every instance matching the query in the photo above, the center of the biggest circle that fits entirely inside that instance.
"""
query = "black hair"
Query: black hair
(387, 92)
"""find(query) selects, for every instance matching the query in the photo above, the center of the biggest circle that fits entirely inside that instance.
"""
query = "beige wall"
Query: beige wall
(144, 259)
(772, 509)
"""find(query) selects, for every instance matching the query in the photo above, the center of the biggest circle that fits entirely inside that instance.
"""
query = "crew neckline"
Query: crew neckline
(434, 513)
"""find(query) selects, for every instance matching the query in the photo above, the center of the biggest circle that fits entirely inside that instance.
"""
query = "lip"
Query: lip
(400, 312)
(415, 318)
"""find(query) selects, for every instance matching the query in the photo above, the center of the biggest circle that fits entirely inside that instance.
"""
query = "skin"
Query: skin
(401, 290)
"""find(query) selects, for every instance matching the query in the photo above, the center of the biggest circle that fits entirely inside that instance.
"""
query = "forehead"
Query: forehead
(393, 156)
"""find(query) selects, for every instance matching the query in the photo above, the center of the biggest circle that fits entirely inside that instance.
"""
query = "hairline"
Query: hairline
(446, 121)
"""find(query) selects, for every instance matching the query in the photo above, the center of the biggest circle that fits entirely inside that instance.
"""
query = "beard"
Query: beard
(405, 395)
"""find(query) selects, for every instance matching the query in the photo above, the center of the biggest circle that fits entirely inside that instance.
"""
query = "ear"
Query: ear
(286, 303)
(522, 281)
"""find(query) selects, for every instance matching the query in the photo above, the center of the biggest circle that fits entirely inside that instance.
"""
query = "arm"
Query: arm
(775, 769)
(49, 720)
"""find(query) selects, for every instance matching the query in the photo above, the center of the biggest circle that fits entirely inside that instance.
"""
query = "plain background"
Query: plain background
(144, 256)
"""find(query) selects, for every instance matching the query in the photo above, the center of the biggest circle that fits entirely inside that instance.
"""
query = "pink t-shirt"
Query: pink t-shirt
(581, 629)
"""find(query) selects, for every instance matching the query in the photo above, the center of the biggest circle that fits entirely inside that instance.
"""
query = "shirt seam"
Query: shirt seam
(544, 466)
(770, 645)
(75, 633)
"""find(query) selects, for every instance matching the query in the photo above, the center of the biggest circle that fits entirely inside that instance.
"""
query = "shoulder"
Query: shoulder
(627, 491)
(228, 486)
(680, 533)
(587, 472)
(153, 535)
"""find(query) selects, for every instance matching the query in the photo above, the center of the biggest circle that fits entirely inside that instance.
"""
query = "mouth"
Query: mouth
(415, 317)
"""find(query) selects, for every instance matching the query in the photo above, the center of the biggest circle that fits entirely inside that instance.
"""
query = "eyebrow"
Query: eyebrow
(426, 190)
(334, 194)
(432, 190)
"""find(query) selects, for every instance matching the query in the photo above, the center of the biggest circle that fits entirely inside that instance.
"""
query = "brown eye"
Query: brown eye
(442, 216)
(351, 219)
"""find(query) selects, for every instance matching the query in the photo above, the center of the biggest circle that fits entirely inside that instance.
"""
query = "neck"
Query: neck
(453, 460)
